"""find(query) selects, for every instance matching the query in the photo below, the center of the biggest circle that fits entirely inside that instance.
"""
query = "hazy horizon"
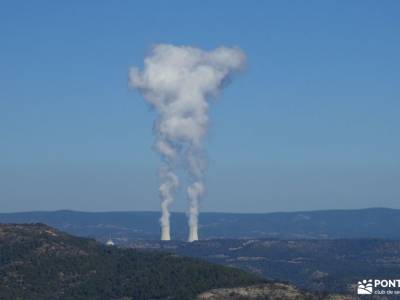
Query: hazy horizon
(204, 211)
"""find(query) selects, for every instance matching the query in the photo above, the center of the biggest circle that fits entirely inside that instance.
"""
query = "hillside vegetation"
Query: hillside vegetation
(39, 262)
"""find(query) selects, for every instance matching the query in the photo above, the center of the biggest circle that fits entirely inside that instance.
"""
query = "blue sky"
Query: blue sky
(312, 124)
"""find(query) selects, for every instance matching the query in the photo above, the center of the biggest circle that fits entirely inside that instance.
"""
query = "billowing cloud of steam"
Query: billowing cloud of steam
(179, 82)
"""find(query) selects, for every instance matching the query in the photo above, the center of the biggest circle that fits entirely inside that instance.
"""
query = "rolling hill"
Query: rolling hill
(39, 262)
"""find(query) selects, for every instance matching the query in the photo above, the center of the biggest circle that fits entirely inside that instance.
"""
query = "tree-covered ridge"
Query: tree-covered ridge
(39, 262)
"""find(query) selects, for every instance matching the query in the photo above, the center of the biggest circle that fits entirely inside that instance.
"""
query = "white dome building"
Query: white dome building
(110, 242)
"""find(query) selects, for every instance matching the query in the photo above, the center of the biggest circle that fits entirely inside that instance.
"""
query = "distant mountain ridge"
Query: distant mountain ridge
(124, 226)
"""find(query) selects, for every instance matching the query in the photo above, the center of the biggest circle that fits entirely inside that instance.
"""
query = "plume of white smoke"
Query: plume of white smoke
(178, 82)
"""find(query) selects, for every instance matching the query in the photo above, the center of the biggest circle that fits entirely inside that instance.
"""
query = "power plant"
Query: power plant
(179, 82)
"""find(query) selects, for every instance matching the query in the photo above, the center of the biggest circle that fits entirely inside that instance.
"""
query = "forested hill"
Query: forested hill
(39, 262)
(128, 226)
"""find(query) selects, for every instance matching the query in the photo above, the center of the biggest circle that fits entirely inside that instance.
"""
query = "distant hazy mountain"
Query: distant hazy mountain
(127, 226)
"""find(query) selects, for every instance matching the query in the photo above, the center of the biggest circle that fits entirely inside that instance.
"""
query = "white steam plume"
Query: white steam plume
(167, 189)
(178, 82)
